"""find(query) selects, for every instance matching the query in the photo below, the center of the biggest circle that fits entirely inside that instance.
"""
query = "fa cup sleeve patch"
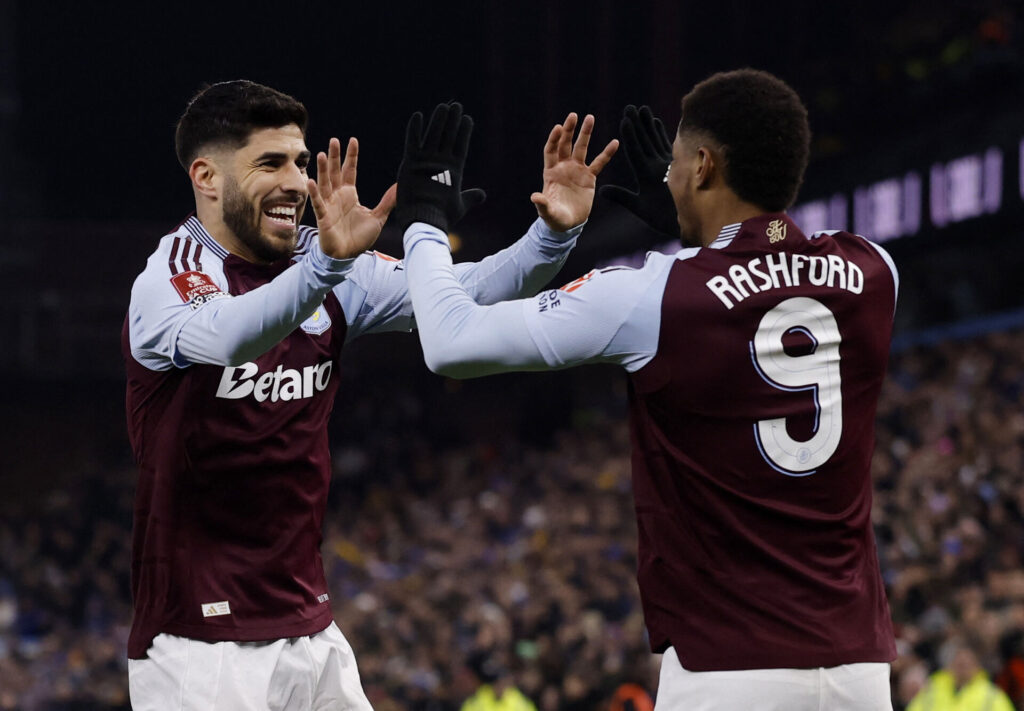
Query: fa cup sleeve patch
(195, 288)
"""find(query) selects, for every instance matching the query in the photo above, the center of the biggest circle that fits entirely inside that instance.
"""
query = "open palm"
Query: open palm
(568, 193)
(347, 228)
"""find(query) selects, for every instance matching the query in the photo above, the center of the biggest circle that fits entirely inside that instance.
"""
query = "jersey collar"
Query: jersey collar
(725, 235)
(774, 227)
(198, 232)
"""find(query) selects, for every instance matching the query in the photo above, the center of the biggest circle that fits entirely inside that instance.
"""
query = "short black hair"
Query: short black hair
(228, 112)
(761, 126)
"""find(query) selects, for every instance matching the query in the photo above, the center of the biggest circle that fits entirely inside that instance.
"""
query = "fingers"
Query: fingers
(565, 140)
(631, 144)
(315, 199)
(551, 147)
(343, 173)
(435, 127)
(579, 150)
(462, 138)
(323, 175)
(655, 130)
(560, 146)
(387, 202)
(602, 158)
(542, 203)
(644, 125)
(662, 136)
(451, 126)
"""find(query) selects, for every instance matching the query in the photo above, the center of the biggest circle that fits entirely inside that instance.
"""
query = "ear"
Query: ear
(205, 177)
(706, 168)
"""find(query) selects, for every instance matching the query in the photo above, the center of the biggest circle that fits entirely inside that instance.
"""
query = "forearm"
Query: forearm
(234, 330)
(461, 338)
(519, 270)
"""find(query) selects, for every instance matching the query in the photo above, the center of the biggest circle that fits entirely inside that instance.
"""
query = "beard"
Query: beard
(243, 218)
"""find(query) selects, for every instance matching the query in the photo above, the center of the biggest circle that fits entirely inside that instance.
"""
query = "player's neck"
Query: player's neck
(726, 211)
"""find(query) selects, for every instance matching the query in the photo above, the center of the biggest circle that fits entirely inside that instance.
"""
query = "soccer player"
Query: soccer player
(232, 345)
(755, 358)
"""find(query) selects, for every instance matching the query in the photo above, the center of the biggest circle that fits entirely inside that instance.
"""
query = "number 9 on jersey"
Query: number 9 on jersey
(816, 372)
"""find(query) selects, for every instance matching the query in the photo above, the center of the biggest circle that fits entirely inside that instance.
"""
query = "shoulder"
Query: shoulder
(182, 269)
(850, 241)
(859, 249)
(654, 265)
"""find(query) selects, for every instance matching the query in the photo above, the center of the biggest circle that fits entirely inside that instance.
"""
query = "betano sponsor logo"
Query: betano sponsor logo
(274, 385)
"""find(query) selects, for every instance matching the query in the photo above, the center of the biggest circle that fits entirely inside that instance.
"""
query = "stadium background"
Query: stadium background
(483, 529)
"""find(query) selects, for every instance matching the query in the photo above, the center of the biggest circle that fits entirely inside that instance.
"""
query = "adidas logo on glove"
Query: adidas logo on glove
(445, 177)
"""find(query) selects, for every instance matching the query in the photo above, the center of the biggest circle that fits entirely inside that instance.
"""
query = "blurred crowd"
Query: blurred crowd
(949, 503)
(494, 561)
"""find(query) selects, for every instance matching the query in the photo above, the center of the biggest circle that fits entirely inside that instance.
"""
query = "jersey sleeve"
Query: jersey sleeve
(610, 316)
(375, 296)
(175, 320)
(892, 269)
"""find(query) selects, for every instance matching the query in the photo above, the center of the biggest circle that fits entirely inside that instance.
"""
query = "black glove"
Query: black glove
(430, 176)
(649, 152)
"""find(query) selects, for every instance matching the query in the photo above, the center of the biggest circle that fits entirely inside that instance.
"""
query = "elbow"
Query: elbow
(443, 361)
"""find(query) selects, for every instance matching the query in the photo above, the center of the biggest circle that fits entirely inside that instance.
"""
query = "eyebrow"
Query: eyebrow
(270, 155)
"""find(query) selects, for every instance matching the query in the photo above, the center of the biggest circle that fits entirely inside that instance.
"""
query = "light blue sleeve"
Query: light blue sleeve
(610, 316)
(219, 329)
(375, 296)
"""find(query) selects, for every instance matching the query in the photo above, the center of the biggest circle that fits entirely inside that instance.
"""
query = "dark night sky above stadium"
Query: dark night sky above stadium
(100, 85)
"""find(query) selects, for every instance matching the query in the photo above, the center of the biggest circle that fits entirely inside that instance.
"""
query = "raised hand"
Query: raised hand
(649, 152)
(347, 229)
(430, 176)
(568, 192)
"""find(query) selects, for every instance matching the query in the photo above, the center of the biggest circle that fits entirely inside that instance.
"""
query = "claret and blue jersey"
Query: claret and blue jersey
(755, 366)
(232, 371)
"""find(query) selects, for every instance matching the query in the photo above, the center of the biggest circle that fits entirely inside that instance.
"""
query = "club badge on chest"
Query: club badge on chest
(319, 322)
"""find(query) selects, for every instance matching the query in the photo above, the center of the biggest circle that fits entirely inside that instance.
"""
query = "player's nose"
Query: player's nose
(293, 180)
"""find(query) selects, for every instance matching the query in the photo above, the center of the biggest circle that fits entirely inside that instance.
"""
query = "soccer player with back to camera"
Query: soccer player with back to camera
(755, 358)
(232, 346)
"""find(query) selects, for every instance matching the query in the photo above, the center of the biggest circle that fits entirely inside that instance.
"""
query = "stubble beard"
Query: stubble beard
(243, 219)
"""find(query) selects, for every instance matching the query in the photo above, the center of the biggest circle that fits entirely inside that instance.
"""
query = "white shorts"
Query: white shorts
(293, 674)
(850, 687)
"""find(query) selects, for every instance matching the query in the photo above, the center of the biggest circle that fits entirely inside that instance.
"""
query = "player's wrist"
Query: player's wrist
(327, 269)
(419, 232)
(422, 212)
(556, 232)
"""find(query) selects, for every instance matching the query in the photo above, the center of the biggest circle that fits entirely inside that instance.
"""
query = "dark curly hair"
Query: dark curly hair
(228, 112)
(761, 126)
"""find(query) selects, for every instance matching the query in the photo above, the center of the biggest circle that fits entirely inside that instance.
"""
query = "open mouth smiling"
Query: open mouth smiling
(283, 215)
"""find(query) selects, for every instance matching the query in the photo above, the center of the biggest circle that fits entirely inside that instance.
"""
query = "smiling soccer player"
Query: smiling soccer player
(232, 345)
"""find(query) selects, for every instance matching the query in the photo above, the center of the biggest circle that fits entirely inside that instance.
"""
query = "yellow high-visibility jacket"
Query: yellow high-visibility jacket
(511, 700)
(941, 694)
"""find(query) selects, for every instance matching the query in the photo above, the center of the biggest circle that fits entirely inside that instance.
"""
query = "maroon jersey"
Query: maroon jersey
(753, 431)
(233, 471)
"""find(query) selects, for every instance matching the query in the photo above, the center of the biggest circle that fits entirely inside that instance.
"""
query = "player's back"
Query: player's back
(753, 432)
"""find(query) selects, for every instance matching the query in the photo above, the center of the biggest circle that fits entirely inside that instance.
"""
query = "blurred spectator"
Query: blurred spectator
(1011, 677)
(631, 697)
(499, 696)
(961, 686)
(450, 554)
